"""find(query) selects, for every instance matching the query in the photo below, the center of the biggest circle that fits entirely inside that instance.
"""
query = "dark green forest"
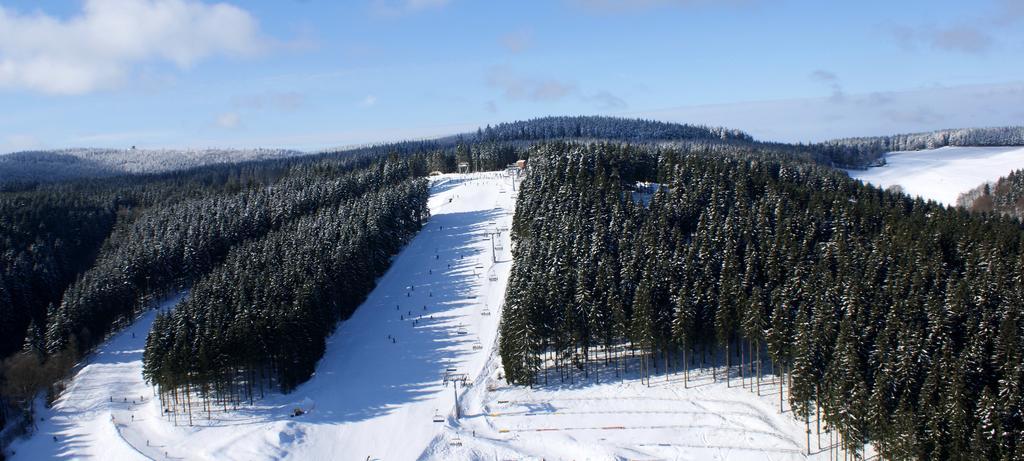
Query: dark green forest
(894, 321)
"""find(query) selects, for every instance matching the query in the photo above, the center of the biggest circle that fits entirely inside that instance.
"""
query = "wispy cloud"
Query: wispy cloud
(974, 36)
(369, 101)
(400, 7)
(961, 38)
(228, 120)
(832, 80)
(518, 87)
(100, 46)
(517, 41)
(608, 101)
(611, 6)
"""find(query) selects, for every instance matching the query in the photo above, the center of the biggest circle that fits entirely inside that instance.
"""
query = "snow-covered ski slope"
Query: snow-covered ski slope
(370, 397)
(945, 173)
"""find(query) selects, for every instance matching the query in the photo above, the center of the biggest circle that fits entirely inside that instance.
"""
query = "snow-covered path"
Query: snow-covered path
(372, 397)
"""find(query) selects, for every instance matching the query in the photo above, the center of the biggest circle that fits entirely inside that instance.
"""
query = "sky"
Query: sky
(313, 74)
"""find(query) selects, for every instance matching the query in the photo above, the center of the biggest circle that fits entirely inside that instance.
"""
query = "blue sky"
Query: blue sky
(313, 74)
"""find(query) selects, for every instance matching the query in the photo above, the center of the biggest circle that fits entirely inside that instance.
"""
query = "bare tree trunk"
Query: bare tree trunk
(782, 383)
(686, 370)
(728, 358)
(188, 397)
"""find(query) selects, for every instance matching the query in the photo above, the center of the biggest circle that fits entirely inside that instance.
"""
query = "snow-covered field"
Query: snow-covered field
(704, 419)
(372, 398)
(945, 173)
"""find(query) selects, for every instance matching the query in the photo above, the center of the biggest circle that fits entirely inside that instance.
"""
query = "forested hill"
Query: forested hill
(63, 164)
(610, 128)
(865, 151)
(47, 166)
(895, 321)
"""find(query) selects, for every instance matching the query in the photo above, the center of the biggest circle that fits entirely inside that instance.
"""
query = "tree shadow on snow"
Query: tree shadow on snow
(415, 326)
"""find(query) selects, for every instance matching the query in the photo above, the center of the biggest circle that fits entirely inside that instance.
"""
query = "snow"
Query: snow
(945, 173)
(704, 419)
(374, 399)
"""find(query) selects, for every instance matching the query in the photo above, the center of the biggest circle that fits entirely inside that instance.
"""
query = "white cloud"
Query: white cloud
(100, 46)
(228, 120)
(368, 101)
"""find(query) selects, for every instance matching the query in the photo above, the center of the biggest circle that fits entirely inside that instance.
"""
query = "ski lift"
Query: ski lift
(486, 312)
(437, 417)
(477, 346)
(498, 245)
(493, 276)
(455, 442)
(461, 330)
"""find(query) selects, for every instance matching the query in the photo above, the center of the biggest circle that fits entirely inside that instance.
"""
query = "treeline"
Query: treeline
(1005, 196)
(894, 321)
(261, 318)
(65, 164)
(608, 128)
(866, 151)
(168, 247)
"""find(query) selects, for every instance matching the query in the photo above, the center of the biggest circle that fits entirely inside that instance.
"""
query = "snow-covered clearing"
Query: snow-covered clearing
(372, 398)
(706, 419)
(945, 173)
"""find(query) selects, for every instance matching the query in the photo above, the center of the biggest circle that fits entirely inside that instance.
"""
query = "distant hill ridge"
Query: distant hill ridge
(61, 164)
(860, 152)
